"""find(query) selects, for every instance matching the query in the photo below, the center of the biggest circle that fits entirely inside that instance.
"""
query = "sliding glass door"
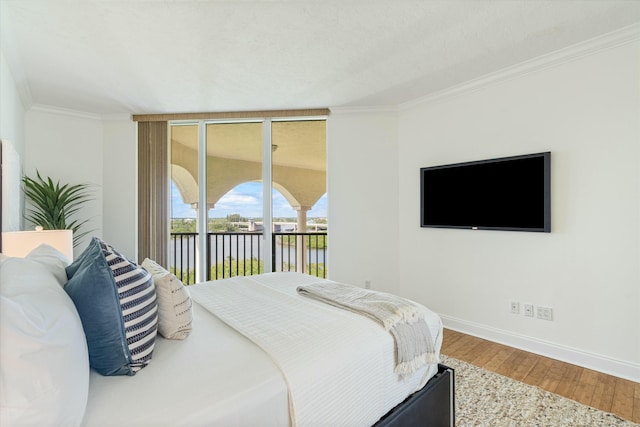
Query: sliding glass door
(184, 201)
(235, 199)
(299, 241)
(262, 184)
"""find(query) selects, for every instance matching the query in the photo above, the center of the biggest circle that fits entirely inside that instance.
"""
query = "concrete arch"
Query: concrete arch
(186, 185)
(299, 157)
(301, 187)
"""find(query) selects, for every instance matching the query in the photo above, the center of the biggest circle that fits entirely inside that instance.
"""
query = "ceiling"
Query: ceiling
(297, 143)
(162, 56)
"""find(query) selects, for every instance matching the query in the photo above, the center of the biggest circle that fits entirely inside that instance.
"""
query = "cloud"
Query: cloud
(237, 199)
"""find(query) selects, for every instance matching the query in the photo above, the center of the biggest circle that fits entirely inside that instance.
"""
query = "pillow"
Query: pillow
(54, 260)
(116, 301)
(174, 302)
(44, 363)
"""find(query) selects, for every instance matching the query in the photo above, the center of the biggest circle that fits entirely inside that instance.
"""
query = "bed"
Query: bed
(229, 369)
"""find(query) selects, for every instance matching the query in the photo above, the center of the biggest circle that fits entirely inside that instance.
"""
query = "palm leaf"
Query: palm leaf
(53, 206)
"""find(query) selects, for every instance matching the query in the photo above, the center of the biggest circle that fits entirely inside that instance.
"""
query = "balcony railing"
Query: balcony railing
(240, 254)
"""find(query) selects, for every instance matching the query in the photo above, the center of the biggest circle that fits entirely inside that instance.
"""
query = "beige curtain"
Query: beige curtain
(153, 192)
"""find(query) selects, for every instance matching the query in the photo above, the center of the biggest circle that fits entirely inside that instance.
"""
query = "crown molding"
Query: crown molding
(117, 117)
(589, 47)
(365, 110)
(43, 108)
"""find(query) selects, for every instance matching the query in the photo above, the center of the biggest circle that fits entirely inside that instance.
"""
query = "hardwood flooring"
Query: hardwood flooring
(598, 390)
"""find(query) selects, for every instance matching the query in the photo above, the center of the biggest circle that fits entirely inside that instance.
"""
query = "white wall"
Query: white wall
(587, 113)
(12, 114)
(362, 198)
(119, 159)
(68, 148)
(11, 109)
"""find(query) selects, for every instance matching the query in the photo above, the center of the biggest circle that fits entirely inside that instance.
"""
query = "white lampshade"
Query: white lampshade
(20, 243)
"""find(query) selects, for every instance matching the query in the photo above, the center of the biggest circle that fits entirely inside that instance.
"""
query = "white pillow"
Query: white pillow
(54, 260)
(174, 302)
(44, 362)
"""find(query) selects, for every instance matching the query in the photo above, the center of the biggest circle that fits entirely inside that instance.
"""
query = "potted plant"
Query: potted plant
(53, 206)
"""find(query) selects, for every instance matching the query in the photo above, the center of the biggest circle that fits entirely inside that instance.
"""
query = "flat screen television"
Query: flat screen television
(508, 193)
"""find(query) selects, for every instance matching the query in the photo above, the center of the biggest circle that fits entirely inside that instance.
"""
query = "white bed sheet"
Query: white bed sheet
(215, 377)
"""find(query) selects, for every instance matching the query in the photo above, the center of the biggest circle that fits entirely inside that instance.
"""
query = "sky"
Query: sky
(246, 200)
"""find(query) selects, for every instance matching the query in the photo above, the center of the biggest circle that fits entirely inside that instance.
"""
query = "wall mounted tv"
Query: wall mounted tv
(509, 193)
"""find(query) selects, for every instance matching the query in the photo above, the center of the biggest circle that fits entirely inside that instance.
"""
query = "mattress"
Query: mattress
(216, 377)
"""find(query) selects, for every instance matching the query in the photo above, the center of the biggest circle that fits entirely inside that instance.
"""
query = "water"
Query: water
(235, 246)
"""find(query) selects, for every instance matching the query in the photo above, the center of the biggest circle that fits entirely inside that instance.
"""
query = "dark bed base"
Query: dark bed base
(433, 405)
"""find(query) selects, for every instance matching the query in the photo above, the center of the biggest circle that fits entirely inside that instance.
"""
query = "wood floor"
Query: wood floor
(598, 390)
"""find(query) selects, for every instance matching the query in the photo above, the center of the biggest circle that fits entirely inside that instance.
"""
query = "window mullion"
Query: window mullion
(267, 220)
(202, 213)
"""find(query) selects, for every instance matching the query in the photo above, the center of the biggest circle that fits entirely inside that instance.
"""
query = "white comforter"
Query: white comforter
(215, 377)
(338, 366)
(218, 377)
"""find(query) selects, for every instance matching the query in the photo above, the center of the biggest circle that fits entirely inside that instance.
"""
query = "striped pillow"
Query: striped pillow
(116, 301)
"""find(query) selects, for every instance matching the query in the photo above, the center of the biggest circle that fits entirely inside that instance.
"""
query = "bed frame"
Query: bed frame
(432, 406)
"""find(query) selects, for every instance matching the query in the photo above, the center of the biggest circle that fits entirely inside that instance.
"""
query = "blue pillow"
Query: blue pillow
(116, 301)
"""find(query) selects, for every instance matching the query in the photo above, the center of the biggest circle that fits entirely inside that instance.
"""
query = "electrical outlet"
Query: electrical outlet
(544, 313)
(528, 310)
(367, 284)
(515, 307)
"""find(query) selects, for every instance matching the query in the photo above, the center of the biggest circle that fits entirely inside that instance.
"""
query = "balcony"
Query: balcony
(239, 254)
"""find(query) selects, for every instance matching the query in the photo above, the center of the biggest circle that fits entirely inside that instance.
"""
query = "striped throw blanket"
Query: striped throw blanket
(399, 316)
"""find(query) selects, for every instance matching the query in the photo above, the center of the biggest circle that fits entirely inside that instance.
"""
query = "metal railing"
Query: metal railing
(182, 256)
(233, 254)
(300, 251)
(239, 254)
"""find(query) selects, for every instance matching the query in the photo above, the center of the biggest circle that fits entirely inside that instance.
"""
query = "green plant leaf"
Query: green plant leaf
(54, 205)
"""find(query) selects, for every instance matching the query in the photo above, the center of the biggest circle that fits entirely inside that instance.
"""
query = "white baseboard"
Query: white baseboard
(597, 362)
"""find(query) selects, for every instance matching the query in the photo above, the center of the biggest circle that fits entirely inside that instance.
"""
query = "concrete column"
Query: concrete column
(301, 258)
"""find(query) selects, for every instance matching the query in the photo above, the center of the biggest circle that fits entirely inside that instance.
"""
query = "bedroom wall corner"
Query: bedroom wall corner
(12, 110)
(119, 155)
(362, 172)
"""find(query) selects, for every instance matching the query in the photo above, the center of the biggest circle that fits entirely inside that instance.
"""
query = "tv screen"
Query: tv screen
(509, 193)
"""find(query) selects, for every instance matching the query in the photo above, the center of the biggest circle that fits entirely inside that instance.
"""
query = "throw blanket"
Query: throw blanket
(338, 366)
(402, 318)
